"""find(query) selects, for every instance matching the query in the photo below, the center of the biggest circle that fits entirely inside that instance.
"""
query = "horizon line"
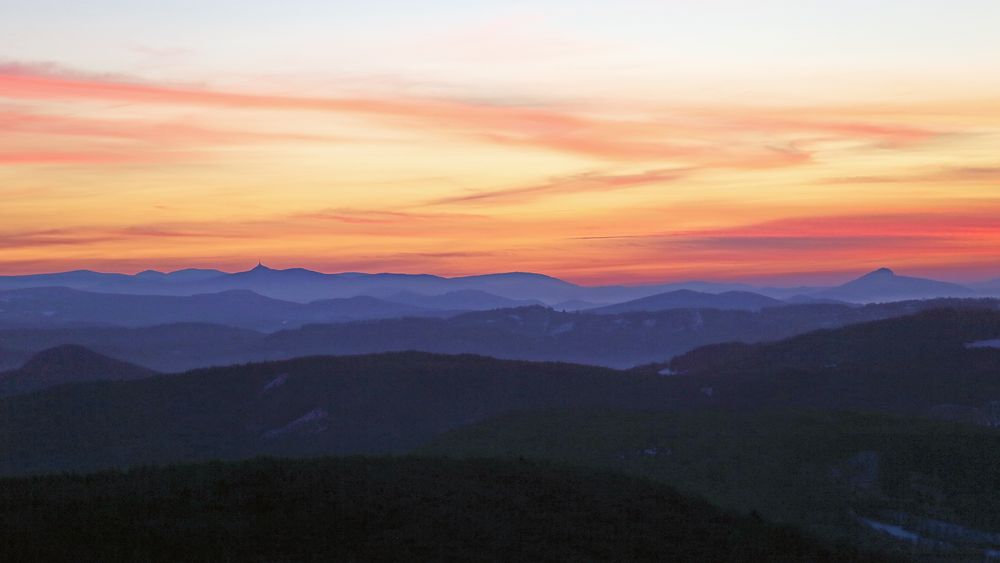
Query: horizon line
(753, 282)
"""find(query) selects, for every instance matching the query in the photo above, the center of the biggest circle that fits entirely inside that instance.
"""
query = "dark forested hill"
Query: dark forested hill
(379, 510)
(325, 405)
(838, 475)
(920, 364)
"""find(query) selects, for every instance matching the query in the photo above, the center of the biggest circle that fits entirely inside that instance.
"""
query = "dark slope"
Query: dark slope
(378, 510)
(311, 406)
(67, 364)
(818, 471)
(918, 364)
(687, 299)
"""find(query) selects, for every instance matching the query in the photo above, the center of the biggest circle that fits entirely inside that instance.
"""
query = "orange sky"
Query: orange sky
(773, 169)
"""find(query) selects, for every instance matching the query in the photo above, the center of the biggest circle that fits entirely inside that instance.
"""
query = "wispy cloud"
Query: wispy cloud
(830, 243)
(952, 174)
(90, 141)
(84, 236)
(381, 217)
(92, 157)
(146, 131)
(578, 183)
(694, 138)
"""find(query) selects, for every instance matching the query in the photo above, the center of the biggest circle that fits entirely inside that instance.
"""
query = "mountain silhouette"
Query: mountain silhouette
(302, 285)
(67, 364)
(59, 306)
(884, 285)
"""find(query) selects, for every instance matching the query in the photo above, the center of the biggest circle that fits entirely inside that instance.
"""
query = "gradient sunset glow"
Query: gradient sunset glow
(611, 142)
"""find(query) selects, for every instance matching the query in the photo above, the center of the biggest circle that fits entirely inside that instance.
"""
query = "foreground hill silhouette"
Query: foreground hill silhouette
(379, 510)
(825, 472)
(67, 364)
(387, 403)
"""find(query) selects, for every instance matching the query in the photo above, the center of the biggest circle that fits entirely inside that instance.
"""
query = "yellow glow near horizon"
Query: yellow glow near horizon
(601, 156)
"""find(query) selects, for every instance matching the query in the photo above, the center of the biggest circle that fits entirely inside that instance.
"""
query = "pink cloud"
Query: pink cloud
(161, 133)
(697, 142)
(32, 157)
(382, 217)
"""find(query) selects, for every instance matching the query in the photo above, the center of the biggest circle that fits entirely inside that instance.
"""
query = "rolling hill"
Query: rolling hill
(67, 364)
(532, 333)
(461, 300)
(919, 364)
(384, 403)
(387, 403)
(620, 340)
(167, 348)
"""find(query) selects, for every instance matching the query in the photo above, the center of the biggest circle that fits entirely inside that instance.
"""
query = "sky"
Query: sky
(627, 141)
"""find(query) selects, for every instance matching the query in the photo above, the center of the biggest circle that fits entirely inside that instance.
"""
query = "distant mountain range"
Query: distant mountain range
(59, 306)
(252, 299)
(301, 285)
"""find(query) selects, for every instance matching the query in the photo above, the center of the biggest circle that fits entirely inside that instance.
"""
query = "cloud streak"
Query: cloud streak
(151, 132)
(93, 157)
(586, 182)
(703, 138)
(952, 174)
